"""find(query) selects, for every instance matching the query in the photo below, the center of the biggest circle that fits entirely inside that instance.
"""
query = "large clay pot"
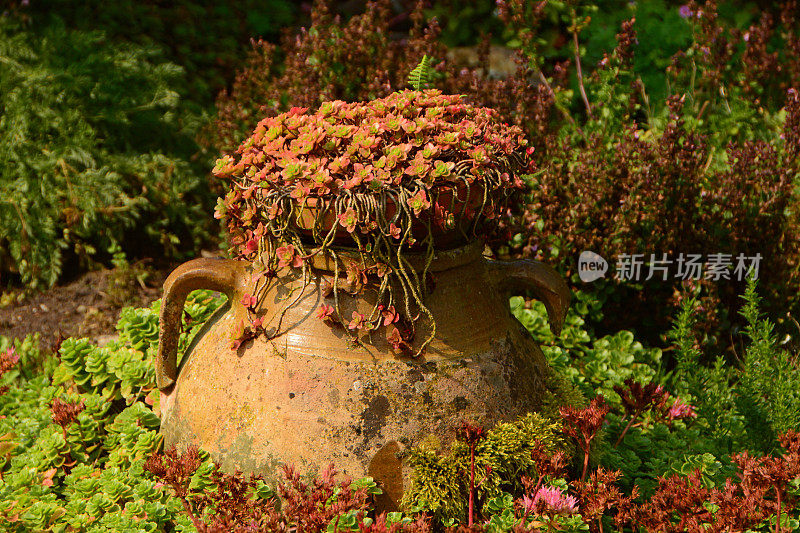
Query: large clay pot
(309, 397)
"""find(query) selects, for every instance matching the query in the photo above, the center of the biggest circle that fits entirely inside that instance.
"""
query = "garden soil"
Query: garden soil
(88, 306)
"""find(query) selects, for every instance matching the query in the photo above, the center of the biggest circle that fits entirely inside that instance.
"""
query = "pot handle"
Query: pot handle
(547, 285)
(223, 275)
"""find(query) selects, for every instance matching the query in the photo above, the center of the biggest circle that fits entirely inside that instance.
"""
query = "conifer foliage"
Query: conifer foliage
(93, 139)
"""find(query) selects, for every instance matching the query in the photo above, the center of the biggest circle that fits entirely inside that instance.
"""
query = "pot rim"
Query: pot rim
(442, 259)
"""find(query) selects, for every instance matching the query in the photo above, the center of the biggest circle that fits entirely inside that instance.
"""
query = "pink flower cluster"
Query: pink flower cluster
(680, 410)
(8, 360)
(550, 500)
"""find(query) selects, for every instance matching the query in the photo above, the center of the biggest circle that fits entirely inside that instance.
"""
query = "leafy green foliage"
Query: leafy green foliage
(94, 139)
(207, 39)
(593, 365)
(737, 408)
(769, 385)
(123, 369)
(33, 361)
(94, 479)
(742, 406)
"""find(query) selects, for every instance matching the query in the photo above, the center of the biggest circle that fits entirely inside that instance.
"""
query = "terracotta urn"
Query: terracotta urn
(307, 395)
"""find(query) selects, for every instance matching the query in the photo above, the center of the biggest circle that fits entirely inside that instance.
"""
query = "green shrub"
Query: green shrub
(95, 149)
(741, 406)
(769, 385)
(746, 405)
(207, 39)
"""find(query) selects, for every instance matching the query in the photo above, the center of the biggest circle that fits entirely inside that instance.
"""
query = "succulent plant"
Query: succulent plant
(408, 172)
(71, 452)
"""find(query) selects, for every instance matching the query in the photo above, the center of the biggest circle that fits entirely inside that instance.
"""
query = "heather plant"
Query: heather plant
(95, 140)
(710, 168)
(748, 405)
(767, 388)
(413, 172)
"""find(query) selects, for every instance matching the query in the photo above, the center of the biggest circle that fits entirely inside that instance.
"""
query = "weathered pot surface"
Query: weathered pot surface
(309, 397)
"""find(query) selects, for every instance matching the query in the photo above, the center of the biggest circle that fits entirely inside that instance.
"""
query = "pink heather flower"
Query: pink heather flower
(527, 504)
(680, 410)
(684, 11)
(550, 499)
(660, 394)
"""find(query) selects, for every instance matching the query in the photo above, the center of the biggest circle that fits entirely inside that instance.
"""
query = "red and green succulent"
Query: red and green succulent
(403, 173)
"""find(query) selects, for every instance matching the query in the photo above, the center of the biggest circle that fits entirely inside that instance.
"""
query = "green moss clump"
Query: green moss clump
(440, 482)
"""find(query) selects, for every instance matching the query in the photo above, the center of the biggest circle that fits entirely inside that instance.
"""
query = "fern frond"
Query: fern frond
(422, 75)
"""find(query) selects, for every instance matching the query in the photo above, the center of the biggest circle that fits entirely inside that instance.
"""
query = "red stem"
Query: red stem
(471, 484)
(196, 521)
(585, 462)
(778, 519)
(539, 483)
(580, 73)
(624, 431)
